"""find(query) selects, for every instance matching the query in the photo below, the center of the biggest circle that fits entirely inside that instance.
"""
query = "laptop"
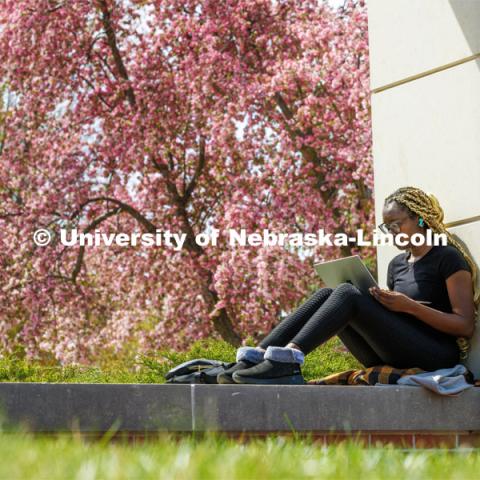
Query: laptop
(346, 270)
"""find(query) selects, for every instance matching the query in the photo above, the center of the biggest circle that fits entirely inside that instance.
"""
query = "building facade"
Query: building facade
(425, 91)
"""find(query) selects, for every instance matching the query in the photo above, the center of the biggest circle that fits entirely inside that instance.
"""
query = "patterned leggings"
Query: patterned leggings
(372, 333)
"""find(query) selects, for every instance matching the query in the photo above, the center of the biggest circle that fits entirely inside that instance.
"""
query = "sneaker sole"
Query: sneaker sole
(290, 380)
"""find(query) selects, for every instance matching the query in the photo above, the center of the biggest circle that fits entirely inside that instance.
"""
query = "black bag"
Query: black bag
(200, 370)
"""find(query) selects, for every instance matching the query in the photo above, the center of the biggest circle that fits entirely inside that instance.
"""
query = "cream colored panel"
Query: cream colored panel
(408, 37)
(427, 134)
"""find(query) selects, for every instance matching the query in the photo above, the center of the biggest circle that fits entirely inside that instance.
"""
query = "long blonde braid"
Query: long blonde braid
(426, 205)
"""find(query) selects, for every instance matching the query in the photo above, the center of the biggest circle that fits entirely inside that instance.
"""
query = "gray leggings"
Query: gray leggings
(372, 333)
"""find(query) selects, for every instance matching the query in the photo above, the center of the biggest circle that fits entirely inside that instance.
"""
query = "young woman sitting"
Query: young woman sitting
(424, 319)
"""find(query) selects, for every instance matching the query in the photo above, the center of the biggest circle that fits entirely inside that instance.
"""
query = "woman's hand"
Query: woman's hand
(395, 301)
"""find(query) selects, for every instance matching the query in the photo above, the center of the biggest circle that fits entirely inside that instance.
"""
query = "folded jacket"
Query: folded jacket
(445, 381)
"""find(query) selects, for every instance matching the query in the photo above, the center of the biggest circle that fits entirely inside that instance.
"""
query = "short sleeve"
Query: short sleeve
(390, 276)
(452, 261)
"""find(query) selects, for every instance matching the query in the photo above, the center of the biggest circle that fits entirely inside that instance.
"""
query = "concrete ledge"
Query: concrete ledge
(88, 407)
(53, 407)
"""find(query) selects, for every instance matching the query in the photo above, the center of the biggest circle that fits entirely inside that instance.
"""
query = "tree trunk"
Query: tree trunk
(224, 327)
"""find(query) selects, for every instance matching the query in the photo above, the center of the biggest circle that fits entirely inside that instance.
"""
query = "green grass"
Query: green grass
(216, 457)
(327, 359)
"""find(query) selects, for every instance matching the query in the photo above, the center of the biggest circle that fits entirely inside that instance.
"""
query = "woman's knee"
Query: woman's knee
(325, 290)
(347, 290)
(346, 294)
(321, 293)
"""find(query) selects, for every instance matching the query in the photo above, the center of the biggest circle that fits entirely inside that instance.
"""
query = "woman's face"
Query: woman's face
(399, 222)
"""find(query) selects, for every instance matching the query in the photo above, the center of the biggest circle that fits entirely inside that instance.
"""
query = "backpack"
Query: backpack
(200, 370)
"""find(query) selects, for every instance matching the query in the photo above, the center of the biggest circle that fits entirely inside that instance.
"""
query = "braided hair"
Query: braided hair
(426, 205)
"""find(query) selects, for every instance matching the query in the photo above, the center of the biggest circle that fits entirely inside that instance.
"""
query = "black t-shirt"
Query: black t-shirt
(425, 278)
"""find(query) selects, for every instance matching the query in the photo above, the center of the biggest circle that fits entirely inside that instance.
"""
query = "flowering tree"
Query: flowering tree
(179, 115)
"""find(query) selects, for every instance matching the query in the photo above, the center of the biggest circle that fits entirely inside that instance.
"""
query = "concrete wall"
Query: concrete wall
(425, 77)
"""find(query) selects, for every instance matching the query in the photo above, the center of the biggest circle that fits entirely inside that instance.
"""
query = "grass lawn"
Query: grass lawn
(216, 457)
(329, 358)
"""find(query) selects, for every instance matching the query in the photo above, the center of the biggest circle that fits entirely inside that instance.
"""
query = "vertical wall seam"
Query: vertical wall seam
(192, 402)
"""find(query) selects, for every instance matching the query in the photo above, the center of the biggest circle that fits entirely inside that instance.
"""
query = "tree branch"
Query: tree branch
(99, 96)
(198, 170)
(9, 214)
(112, 42)
(171, 188)
(308, 153)
(150, 227)
(81, 252)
